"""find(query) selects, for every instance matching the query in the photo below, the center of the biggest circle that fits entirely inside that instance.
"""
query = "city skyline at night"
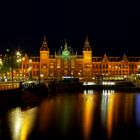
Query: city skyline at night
(66, 61)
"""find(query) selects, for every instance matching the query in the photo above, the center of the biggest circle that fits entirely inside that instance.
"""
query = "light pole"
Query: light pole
(22, 69)
(30, 69)
(18, 59)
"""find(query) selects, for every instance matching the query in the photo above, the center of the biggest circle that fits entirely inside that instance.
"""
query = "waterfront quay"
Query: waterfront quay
(9, 85)
(71, 84)
(67, 86)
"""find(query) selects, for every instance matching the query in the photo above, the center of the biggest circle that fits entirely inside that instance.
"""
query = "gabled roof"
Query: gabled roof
(124, 58)
(105, 59)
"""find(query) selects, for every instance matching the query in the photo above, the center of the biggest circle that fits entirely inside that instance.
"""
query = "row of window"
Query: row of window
(94, 66)
(80, 72)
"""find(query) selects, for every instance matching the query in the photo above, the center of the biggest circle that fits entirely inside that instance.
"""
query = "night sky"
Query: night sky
(111, 25)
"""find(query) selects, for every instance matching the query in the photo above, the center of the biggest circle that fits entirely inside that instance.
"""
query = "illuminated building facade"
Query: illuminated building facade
(86, 67)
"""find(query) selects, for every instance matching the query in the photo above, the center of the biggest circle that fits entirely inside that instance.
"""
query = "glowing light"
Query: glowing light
(108, 83)
(0, 61)
(108, 92)
(18, 53)
(30, 60)
(89, 83)
(67, 77)
(88, 91)
(21, 123)
(88, 115)
(110, 114)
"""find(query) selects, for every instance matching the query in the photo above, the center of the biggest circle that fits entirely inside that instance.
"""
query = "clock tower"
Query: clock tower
(87, 51)
(44, 59)
(87, 61)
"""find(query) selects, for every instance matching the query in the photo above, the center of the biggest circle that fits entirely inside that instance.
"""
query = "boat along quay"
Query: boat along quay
(68, 86)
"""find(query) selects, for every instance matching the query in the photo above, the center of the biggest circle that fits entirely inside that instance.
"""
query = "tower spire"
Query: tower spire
(87, 42)
(124, 58)
(65, 45)
(44, 38)
(87, 45)
(44, 46)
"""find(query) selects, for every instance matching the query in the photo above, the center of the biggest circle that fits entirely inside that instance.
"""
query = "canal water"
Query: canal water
(89, 115)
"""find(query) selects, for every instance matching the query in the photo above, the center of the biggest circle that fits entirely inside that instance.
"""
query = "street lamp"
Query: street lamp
(18, 60)
(30, 69)
(1, 67)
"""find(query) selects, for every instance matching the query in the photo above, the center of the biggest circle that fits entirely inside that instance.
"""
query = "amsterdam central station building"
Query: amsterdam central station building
(86, 67)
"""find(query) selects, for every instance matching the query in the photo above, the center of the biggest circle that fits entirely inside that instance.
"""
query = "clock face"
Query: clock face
(44, 55)
(87, 56)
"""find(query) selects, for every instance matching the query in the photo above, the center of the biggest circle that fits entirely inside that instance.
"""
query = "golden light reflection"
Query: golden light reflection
(88, 115)
(21, 123)
(29, 118)
(128, 108)
(15, 121)
(119, 111)
(110, 114)
(45, 118)
(104, 106)
(117, 108)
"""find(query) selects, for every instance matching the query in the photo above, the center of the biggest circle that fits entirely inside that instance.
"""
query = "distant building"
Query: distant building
(86, 67)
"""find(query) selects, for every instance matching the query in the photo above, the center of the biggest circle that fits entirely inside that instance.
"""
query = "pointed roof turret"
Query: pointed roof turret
(87, 42)
(87, 45)
(105, 58)
(124, 58)
(44, 38)
(44, 46)
(66, 45)
(65, 52)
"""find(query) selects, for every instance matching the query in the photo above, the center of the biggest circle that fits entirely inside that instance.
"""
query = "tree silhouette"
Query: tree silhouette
(10, 62)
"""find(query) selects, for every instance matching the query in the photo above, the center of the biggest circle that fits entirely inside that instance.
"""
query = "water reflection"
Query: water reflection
(90, 91)
(138, 110)
(128, 107)
(106, 115)
(21, 122)
(110, 114)
(88, 108)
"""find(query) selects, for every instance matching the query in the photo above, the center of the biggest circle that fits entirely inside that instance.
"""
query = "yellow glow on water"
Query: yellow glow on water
(21, 123)
(128, 108)
(88, 115)
(28, 124)
(15, 121)
(110, 114)
(104, 106)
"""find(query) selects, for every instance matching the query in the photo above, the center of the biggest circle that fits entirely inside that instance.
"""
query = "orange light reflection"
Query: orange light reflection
(110, 113)
(88, 115)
